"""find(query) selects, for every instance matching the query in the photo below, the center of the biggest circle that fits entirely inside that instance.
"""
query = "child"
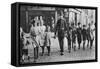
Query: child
(35, 37)
(79, 35)
(69, 37)
(30, 46)
(73, 37)
(90, 31)
(42, 34)
(84, 34)
(48, 39)
(25, 47)
(88, 35)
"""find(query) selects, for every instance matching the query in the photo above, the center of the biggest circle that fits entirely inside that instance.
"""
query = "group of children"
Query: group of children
(81, 33)
(39, 36)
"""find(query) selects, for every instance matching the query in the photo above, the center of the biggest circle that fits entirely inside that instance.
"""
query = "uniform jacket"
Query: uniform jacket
(60, 27)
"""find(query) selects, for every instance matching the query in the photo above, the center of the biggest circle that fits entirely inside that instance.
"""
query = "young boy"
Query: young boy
(84, 34)
(69, 37)
(79, 35)
(48, 39)
(88, 35)
(73, 37)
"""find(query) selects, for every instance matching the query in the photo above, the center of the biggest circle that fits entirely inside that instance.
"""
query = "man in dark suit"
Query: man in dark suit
(60, 29)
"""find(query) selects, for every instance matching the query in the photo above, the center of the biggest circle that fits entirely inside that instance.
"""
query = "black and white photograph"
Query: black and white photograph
(56, 34)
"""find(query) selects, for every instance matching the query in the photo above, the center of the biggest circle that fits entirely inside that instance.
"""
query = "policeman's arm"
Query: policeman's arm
(56, 27)
(65, 25)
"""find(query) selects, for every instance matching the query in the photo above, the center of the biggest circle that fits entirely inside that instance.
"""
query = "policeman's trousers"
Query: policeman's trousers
(61, 43)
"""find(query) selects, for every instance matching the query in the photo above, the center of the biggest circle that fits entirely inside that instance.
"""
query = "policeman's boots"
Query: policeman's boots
(61, 53)
(48, 48)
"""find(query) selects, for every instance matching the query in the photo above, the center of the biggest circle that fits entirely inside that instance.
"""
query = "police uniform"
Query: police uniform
(60, 29)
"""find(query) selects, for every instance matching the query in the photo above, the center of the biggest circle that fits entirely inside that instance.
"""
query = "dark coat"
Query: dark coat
(84, 34)
(79, 34)
(60, 27)
(73, 36)
(88, 34)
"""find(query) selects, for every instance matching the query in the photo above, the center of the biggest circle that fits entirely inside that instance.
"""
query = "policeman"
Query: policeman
(79, 35)
(60, 29)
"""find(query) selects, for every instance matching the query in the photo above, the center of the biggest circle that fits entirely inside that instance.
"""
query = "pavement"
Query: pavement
(55, 56)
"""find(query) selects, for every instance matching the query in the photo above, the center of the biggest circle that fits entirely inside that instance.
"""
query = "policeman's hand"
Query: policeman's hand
(55, 37)
(65, 34)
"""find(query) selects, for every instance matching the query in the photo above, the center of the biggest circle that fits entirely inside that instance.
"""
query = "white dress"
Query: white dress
(29, 44)
(48, 39)
(35, 32)
(92, 32)
(42, 35)
(26, 36)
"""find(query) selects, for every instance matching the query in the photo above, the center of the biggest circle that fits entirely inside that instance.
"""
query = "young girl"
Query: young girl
(42, 34)
(35, 37)
(48, 39)
(30, 45)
